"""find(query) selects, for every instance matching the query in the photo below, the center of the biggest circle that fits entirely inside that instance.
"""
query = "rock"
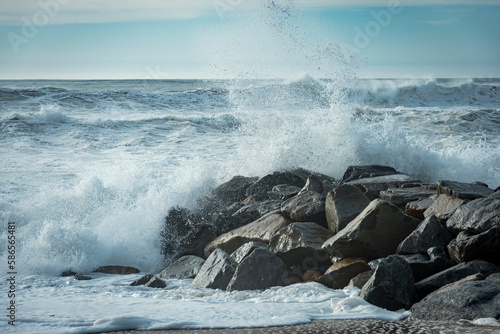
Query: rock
(444, 206)
(68, 273)
(341, 272)
(117, 270)
(143, 280)
(360, 280)
(470, 300)
(401, 196)
(416, 209)
(179, 222)
(235, 189)
(260, 230)
(484, 246)
(245, 250)
(476, 217)
(362, 172)
(314, 184)
(261, 187)
(493, 276)
(430, 233)
(156, 282)
(194, 243)
(372, 187)
(307, 206)
(254, 211)
(82, 278)
(216, 272)
(463, 190)
(300, 243)
(375, 233)
(343, 204)
(311, 276)
(258, 271)
(283, 192)
(453, 274)
(424, 266)
(186, 267)
(391, 286)
(495, 195)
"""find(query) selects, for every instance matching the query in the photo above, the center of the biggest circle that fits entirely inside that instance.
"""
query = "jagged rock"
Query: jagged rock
(391, 286)
(194, 243)
(186, 267)
(430, 233)
(156, 282)
(484, 246)
(375, 233)
(311, 275)
(341, 272)
(401, 196)
(469, 300)
(235, 189)
(372, 187)
(461, 190)
(117, 270)
(343, 204)
(307, 206)
(424, 266)
(360, 280)
(261, 187)
(454, 274)
(258, 271)
(178, 223)
(362, 172)
(260, 230)
(301, 242)
(142, 281)
(476, 217)
(216, 272)
(313, 183)
(416, 209)
(254, 211)
(245, 250)
(444, 206)
(283, 192)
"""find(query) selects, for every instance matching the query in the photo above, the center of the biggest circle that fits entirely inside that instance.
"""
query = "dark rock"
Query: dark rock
(301, 242)
(68, 273)
(143, 280)
(416, 209)
(375, 233)
(311, 276)
(430, 233)
(362, 172)
(235, 189)
(463, 190)
(423, 266)
(314, 184)
(283, 192)
(360, 280)
(307, 206)
(156, 282)
(82, 278)
(245, 250)
(254, 211)
(117, 270)
(391, 286)
(483, 246)
(186, 267)
(476, 217)
(401, 196)
(495, 195)
(178, 223)
(258, 271)
(194, 243)
(216, 272)
(373, 186)
(341, 272)
(343, 204)
(260, 230)
(470, 300)
(261, 187)
(454, 274)
(444, 206)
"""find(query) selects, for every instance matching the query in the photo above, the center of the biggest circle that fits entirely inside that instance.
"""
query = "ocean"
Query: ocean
(89, 170)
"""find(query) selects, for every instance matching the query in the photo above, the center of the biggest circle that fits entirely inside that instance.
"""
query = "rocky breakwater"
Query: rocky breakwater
(405, 244)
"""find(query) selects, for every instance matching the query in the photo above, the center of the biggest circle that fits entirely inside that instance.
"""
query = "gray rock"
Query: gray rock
(254, 211)
(258, 271)
(453, 274)
(313, 183)
(495, 195)
(143, 280)
(301, 242)
(360, 280)
(424, 266)
(340, 273)
(430, 233)
(235, 189)
(484, 246)
(82, 277)
(245, 250)
(283, 192)
(476, 217)
(186, 267)
(307, 206)
(402, 196)
(343, 204)
(362, 172)
(117, 270)
(375, 233)
(444, 206)
(461, 190)
(391, 286)
(261, 187)
(372, 187)
(416, 209)
(156, 282)
(470, 300)
(194, 243)
(216, 272)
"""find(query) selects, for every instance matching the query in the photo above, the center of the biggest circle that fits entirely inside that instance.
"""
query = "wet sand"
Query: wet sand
(347, 327)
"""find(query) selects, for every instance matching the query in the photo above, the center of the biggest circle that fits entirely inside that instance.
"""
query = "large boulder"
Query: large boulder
(417, 208)
(308, 206)
(484, 246)
(401, 196)
(375, 233)
(194, 243)
(444, 206)
(260, 230)
(234, 190)
(241, 253)
(258, 271)
(461, 190)
(156, 282)
(343, 204)
(470, 300)
(372, 187)
(265, 184)
(363, 172)
(301, 242)
(143, 280)
(430, 233)
(476, 217)
(216, 272)
(283, 192)
(424, 266)
(184, 268)
(361, 279)
(391, 286)
(340, 273)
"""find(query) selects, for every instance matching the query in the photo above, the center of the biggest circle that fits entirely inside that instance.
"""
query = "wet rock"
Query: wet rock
(314, 184)
(307, 206)
(424, 266)
(391, 285)
(283, 192)
(216, 272)
(360, 280)
(311, 276)
(258, 271)
(375, 233)
(461, 190)
(143, 280)
(301, 241)
(444, 206)
(429, 233)
(156, 282)
(260, 230)
(416, 209)
(341, 272)
(401, 196)
(476, 217)
(117, 270)
(82, 278)
(362, 172)
(484, 246)
(184, 268)
(245, 250)
(343, 204)
(235, 189)
(261, 187)
(373, 186)
(179, 222)
(194, 243)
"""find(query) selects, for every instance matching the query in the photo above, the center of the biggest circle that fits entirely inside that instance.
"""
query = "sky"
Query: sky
(167, 39)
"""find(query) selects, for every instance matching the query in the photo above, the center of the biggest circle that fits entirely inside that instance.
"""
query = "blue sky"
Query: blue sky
(162, 39)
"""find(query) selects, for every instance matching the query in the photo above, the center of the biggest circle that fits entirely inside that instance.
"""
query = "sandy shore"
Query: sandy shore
(347, 327)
